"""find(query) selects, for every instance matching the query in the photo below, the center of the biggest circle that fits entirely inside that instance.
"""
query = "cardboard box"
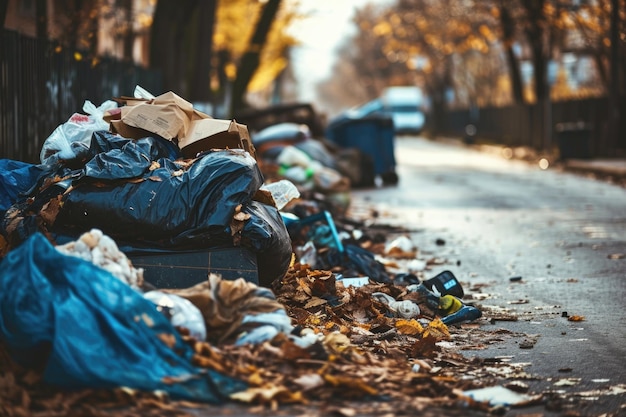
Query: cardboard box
(175, 119)
(183, 269)
(206, 134)
(167, 115)
(166, 120)
(129, 132)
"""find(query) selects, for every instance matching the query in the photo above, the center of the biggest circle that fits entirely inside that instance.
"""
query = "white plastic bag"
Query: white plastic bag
(76, 132)
(292, 156)
(180, 311)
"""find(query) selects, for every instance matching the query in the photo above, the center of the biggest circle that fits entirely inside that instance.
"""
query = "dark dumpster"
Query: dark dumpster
(574, 140)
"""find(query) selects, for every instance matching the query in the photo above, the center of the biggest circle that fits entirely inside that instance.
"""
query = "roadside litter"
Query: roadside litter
(158, 256)
(182, 183)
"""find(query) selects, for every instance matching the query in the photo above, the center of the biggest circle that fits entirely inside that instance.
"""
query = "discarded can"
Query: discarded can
(449, 304)
(466, 313)
(445, 283)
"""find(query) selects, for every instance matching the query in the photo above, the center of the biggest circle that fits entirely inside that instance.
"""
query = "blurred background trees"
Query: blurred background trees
(487, 52)
(233, 54)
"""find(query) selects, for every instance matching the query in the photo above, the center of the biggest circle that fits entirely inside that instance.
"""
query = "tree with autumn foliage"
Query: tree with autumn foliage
(469, 53)
(232, 46)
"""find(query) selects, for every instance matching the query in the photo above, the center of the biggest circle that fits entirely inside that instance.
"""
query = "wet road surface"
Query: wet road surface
(565, 235)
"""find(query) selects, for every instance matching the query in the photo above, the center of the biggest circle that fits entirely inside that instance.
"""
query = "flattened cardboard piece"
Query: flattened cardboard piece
(129, 101)
(167, 115)
(166, 120)
(209, 134)
(184, 105)
(172, 98)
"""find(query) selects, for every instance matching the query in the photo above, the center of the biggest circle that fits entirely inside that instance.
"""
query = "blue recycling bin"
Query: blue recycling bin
(373, 135)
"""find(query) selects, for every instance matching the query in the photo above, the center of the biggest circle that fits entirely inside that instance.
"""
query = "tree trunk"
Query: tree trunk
(508, 26)
(167, 41)
(4, 5)
(201, 72)
(72, 29)
(616, 84)
(41, 7)
(535, 31)
(128, 37)
(251, 58)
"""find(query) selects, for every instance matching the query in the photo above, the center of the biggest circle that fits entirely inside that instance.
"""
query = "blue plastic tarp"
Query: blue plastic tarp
(92, 330)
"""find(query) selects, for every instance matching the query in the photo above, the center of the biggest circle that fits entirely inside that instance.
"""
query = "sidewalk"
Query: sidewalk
(606, 169)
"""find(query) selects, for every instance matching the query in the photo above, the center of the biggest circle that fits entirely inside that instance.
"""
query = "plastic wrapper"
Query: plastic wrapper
(87, 329)
(239, 312)
(355, 260)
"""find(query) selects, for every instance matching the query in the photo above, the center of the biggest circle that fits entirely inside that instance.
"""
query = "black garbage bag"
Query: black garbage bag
(112, 157)
(166, 206)
(265, 233)
(354, 259)
(137, 195)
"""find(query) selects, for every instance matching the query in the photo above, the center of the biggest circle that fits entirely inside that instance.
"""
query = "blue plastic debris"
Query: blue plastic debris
(88, 329)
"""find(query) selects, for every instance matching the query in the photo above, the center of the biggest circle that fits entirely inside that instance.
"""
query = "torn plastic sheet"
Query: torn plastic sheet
(87, 329)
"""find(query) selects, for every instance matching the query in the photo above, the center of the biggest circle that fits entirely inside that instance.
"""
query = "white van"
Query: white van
(405, 105)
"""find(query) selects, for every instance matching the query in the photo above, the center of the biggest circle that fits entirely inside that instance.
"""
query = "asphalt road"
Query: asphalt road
(563, 234)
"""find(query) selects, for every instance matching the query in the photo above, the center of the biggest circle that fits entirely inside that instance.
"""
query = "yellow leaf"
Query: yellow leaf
(355, 383)
(410, 327)
(437, 330)
(336, 342)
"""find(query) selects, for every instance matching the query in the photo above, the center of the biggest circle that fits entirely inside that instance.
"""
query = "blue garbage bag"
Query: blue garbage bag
(93, 330)
(16, 178)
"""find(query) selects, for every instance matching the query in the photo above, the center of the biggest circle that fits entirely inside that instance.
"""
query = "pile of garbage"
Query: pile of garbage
(325, 319)
(160, 178)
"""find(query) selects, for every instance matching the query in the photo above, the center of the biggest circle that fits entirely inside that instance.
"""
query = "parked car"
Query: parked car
(405, 106)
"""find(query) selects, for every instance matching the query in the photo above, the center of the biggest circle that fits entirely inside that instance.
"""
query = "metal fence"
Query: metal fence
(537, 126)
(42, 85)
